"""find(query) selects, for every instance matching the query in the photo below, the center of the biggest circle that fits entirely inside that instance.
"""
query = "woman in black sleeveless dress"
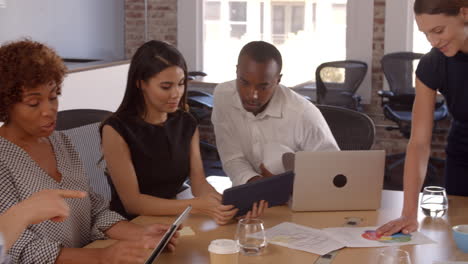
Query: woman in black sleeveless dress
(443, 69)
(151, 143)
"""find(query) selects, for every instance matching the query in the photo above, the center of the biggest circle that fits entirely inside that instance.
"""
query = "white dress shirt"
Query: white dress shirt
(289, 120)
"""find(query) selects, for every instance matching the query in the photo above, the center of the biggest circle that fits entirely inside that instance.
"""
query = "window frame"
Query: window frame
(359, 19)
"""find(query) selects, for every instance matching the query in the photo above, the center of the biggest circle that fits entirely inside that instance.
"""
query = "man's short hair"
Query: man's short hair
(261, 51)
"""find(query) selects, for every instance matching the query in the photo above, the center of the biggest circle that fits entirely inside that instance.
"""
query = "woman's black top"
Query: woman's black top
(449, 75)
(160, 154)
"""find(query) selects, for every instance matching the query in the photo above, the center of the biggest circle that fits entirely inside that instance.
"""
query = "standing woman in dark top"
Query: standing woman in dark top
(443, 69)
(151, 143)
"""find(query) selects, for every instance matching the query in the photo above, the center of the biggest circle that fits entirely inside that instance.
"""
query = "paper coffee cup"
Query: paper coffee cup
(223, 251)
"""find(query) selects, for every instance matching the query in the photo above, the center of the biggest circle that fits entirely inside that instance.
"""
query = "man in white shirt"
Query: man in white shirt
(255, 111)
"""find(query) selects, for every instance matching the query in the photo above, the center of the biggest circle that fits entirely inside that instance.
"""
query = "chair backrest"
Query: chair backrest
(68, 119)
(399, 70)
(200, 104)
(337, 78)
(352, 130)
(82, 127)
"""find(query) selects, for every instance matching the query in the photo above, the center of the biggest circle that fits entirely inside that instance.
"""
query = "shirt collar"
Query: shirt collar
(274, 108)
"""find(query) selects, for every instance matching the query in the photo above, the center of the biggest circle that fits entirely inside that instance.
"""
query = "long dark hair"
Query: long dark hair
(434, 7)
(150, 59)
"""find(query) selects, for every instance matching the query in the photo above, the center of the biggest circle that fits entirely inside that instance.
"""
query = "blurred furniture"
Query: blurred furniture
(200, 103)
(82, 127)
(397, 102)
(200, 106)
(352, 130)
(68, 119)
(192, 75)
(338, 81)
(194, 249)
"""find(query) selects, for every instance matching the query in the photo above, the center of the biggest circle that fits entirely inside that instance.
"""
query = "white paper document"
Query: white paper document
(366, 237)
(322, 241)
(302, 238)
(450, 262)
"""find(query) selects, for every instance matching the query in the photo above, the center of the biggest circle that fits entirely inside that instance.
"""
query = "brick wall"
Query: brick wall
(391, 141)
(162, 23)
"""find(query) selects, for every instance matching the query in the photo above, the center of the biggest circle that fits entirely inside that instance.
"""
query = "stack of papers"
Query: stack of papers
(322, 241)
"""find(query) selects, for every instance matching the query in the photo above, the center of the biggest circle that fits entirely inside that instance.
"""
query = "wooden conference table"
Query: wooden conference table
(193, 249)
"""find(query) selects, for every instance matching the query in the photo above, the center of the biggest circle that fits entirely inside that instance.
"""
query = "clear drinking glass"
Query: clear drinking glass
(250, 237)
(393, 256)
(434, 201)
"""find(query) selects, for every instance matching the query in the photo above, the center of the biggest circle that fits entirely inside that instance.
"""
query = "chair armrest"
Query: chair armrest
(192, 74)
(307, 98)
(208, 146)
(356, 97)
(347, 93)
(384, 93)
(198, 93)
(200, 100)
(196, 73)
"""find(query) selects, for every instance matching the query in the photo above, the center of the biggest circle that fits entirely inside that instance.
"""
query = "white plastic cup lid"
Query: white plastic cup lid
(223, 246)
(461, 229)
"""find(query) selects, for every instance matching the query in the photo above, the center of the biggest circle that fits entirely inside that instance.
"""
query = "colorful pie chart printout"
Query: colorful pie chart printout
(395, 238)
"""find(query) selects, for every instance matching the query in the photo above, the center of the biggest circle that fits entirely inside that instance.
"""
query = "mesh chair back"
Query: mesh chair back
(352, 130)
(338, 81)
(399, 70)
(200, 104)
(82, 127)
(68, 119)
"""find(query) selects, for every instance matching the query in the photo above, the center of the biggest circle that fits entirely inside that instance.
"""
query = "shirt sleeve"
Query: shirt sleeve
(430, 70)
(234, 163)
(30, 246)
(102, 217)
(314, 133)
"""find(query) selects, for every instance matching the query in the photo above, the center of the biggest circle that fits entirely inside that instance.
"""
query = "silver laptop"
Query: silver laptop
(338, 180)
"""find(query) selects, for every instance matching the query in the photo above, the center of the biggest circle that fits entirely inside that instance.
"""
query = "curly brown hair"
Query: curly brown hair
(25, 64)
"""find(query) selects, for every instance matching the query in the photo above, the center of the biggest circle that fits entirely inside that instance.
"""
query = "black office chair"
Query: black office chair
(82, 127)
(192, 75)
(352, 130)
(200, 106)
(200, 103)
(398, 102)
(338, 81)
(68, 119)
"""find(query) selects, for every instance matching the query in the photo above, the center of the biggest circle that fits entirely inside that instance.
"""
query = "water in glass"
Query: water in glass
(434, 201)
(393, 256)
(250, 236)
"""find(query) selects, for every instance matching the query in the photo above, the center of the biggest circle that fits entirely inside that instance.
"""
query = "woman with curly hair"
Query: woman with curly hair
(33, 157)
(443, 69)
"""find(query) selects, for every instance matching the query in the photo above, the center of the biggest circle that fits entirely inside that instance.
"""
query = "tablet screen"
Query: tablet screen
(168, 235)
(276, 190)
